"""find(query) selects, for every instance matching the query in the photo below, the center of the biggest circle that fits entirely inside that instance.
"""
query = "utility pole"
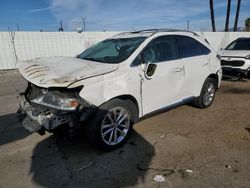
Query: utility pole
(188, 25)
(61, 27)
(18, 29)
(84, 23)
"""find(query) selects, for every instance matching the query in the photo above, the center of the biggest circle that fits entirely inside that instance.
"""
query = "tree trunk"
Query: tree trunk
(212, 15)
(247, 24)
(228, 15)
(237, 15)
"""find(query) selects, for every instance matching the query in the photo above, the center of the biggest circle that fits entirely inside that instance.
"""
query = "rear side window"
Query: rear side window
(160, 49)
(189, 47)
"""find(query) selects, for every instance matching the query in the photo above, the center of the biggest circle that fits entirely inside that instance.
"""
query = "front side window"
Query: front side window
(112, 50)
(189, 47)
(159, 50)
(240, 44)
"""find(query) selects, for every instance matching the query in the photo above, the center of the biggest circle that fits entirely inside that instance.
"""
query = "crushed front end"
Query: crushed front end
(46, 109)
(235, 67)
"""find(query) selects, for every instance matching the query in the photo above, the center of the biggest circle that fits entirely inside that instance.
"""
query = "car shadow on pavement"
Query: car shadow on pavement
(237, 91)
(248, 129)
(10, 129)
(58, 162)
(234, 80)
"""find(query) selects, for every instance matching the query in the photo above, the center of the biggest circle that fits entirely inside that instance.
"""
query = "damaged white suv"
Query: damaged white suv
(114, 83)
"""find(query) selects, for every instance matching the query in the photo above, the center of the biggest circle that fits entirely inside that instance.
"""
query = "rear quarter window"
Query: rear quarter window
(189, 47)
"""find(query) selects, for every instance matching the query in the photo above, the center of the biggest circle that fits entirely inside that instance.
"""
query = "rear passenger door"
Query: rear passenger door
(196, 62)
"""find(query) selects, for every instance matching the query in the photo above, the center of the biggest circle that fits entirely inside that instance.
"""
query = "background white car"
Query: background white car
(235, 59)
(113, 84)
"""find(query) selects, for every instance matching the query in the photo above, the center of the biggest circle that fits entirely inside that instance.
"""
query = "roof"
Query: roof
(150, 32)
(243, 38)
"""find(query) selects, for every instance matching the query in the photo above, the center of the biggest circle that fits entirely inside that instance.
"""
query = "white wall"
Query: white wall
(220, 40)
(20, 46)
(30, 45)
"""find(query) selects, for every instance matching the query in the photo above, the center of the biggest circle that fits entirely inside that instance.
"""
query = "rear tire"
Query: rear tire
(207, 94)
(111, 124)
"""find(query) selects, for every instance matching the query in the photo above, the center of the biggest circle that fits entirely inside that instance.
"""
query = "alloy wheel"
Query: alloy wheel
(209, 94)
(115, 126)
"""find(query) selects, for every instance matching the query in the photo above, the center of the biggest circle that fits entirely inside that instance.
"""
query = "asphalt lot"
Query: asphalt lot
(188, 146)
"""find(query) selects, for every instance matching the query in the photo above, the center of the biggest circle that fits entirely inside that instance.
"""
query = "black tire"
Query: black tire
(200, 102)
(94, 129)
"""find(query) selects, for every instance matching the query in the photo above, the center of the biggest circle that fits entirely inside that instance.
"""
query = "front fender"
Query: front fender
(108, 87)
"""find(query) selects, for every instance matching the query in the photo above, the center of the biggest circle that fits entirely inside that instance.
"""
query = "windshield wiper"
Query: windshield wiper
(90, 59)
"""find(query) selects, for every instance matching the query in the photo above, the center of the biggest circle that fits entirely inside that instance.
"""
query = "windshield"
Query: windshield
(241, 44)
(112, 50)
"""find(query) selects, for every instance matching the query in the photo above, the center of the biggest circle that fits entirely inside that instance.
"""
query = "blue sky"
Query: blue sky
(117, 15)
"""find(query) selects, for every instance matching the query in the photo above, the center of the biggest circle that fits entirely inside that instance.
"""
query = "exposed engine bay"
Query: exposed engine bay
(46, 109)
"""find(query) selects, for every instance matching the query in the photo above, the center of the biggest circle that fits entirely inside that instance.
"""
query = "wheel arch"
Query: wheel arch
(216, 78)
(132, 100)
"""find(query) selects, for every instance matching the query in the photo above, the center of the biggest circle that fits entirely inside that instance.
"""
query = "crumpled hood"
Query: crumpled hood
(61, 71)
(235, 53)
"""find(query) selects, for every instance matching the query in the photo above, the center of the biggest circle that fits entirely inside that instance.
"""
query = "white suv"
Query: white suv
(235, 59)
(116, 82)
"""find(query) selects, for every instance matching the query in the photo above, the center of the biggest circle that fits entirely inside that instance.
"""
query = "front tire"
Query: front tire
(207, 94)
(111, 125)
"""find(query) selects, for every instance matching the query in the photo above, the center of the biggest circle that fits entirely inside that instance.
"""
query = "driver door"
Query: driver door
(166, 84)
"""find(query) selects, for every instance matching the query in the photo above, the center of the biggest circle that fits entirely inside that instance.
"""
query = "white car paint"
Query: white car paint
(61, 71)
(156, 96)
(236, 55)
(172, 82)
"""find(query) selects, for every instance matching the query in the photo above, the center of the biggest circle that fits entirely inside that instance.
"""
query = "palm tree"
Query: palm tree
(247, 24)
(212, 15)
(237, 15)
(228, 15)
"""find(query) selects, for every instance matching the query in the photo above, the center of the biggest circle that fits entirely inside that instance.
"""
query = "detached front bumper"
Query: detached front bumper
(36, 118)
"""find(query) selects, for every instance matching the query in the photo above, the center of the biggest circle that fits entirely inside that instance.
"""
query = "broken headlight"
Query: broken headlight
(57, 102)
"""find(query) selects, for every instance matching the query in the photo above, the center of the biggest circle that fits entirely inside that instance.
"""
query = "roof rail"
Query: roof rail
(153, 31)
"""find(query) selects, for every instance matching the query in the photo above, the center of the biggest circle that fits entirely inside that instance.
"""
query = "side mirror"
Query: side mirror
(139, 61)
(150, 70)
(144, 67)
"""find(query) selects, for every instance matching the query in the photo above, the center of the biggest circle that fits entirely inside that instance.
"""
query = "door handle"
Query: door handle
(205, 64)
